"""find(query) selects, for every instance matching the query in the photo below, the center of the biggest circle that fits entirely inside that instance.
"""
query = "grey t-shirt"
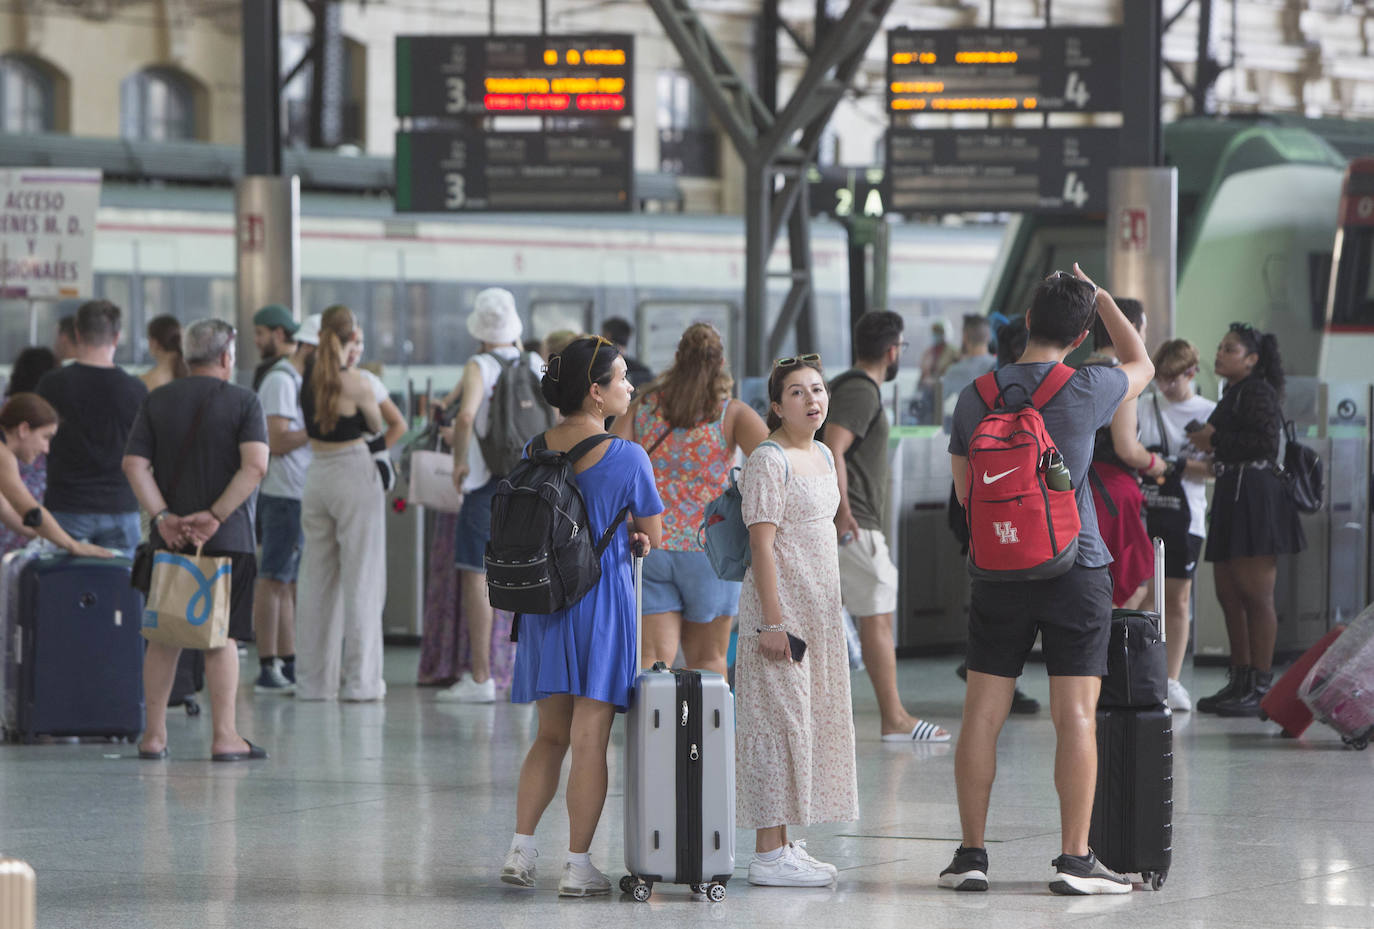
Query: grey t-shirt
(233, 416)
(1084, 405)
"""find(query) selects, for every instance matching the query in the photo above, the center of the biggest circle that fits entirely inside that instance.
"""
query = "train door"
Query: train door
(549, 315)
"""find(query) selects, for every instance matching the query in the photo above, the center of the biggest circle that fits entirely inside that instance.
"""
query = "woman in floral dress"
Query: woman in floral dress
(794, 722)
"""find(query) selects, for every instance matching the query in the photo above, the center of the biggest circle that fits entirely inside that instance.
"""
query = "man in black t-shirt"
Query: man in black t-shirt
(195, 457)
(97, 401)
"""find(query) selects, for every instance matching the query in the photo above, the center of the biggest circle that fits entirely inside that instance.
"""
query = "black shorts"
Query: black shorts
(1072, 613)
(1180, 557)
(242, 578)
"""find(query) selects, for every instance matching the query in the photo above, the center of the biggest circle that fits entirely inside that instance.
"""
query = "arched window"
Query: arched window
(157, 104)
(26, 96)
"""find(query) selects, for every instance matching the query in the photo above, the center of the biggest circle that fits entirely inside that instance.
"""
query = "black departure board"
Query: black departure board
(1062, 170)
(1004, 70)
(845, 192)
(462, 76)
(469, 170)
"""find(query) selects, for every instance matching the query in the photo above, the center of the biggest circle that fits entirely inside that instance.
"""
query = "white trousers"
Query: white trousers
(342, 585)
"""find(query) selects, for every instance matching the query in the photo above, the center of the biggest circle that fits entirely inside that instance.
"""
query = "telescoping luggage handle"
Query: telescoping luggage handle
(637, 553)
(1159, 586)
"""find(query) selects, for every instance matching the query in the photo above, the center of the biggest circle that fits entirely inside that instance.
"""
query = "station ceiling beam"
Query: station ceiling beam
(776, 148)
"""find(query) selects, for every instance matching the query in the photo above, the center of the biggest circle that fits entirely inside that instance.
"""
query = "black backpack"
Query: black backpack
(542, 556)
(1302, 472)
(518, 412)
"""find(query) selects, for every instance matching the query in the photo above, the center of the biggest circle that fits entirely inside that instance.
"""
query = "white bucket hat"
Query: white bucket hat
(309, 332)
(493, 318)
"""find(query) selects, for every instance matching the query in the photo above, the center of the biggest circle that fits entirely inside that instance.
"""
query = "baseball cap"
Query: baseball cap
(274, 315)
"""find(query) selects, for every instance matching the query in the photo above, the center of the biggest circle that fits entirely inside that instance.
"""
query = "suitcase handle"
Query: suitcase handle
(1159, 586)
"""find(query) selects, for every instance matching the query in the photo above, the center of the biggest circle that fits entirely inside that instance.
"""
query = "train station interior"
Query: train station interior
(774, 169)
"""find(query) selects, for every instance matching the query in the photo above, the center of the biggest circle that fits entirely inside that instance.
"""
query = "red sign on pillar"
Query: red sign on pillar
(252, 232)
(1134, 229)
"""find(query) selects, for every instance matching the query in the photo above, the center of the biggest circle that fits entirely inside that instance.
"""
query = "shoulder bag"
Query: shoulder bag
(1167, 512)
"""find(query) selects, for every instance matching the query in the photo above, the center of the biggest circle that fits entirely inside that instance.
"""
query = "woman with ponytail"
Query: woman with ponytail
(342, 583)
(578, 665)
(1253, 518)
(164, 344)
(691, 428)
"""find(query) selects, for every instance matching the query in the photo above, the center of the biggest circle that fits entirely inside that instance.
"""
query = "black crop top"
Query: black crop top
(1247, 422)
(346, 429)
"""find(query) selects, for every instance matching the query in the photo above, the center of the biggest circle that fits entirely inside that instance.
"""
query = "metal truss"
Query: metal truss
(776, 149)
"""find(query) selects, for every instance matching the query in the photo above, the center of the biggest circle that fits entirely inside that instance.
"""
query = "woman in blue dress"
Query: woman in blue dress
(578, 666)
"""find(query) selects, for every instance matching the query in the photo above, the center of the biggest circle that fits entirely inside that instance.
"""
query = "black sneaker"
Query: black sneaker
(968, 870)
(1023, 704)
(1077, 875)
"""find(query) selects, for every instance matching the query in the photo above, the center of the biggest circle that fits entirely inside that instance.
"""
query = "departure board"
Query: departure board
(469, 170)
(1004, 70)
(460, 76)
(1062, 170)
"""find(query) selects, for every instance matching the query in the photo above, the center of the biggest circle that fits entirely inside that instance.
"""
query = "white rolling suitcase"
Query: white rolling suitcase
(679, 778)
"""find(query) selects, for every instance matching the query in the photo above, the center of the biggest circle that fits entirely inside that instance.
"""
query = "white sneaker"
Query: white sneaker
(798, 848)
(789, 870)
(582, 881)
(519, 867)
(1179, 701)
(466, 690)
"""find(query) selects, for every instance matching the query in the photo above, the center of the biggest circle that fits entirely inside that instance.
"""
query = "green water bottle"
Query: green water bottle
(1057, 476)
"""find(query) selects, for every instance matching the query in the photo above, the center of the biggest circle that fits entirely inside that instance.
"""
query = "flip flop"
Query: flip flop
(153, 756)
(923, 732)
(254, 753)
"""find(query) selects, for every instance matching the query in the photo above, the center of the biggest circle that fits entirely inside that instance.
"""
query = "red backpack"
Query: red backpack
(1020, 528)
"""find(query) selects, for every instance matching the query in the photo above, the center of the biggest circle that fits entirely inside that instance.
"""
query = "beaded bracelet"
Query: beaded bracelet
(780, 627)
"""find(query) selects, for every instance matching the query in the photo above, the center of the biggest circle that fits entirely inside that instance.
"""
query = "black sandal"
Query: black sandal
(254, 753)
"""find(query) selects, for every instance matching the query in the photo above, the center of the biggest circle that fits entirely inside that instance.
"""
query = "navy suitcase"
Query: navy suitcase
(81, 654)
(1133, 810)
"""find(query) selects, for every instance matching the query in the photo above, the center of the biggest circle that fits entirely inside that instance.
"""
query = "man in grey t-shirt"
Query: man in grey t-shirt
(1071, 612)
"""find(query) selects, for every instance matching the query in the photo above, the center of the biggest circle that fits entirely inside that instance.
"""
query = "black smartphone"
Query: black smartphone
(795, 645)
(1194, 426)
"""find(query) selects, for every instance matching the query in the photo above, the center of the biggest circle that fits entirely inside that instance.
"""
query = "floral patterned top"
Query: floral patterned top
(691, 468)
(35, 478)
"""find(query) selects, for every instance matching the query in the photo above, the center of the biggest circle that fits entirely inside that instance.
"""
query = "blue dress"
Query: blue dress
(588, 649)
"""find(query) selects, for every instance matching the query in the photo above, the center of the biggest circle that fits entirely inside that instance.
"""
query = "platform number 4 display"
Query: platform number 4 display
(1075, 91)
(1075, 191)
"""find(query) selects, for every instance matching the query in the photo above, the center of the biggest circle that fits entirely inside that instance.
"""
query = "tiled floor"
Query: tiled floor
(396, 815)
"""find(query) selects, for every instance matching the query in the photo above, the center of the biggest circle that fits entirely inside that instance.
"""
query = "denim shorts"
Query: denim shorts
(685, 582)
(282, 538)
(474, 528)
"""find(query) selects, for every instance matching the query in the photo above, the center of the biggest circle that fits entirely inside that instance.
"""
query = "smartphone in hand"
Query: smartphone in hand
(795, 645)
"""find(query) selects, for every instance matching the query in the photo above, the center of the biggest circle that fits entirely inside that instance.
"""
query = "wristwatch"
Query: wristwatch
(161, 516)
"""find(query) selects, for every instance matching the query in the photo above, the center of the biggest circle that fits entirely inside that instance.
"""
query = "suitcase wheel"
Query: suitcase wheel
(1264, 717)
(642, 891)
(716, 893)
(627, 883)
(1154, 878)
(1359, 744)
(192, 706)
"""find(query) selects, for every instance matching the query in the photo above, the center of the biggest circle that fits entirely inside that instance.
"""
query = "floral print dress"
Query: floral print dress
(794, 754)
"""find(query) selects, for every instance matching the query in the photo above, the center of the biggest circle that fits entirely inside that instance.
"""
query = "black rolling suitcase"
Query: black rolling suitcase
(81, 654)
(1132, 822)
(189, 681)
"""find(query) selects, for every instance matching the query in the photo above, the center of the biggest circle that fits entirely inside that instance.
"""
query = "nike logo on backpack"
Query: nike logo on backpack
(994, 478)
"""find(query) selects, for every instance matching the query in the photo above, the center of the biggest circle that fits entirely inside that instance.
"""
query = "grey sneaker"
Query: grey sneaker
(968, 870)
(1078, 875)
(272, 681)
(519, 867)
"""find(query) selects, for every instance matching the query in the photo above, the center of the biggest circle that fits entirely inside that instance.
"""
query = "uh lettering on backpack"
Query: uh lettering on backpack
(1022, 511)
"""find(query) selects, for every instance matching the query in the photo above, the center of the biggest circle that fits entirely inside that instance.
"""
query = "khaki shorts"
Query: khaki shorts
(868, 578)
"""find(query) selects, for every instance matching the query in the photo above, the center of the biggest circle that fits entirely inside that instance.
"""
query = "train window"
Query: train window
(318, 295)
(384, 333)
(418, 348)
(1354, 303)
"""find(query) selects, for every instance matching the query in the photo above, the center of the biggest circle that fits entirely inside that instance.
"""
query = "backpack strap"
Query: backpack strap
(787, 465)
(1051, 384)
(581, 448)
(1107, 500)
(988, 389)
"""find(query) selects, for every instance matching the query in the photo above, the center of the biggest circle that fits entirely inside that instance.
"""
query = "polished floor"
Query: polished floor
(397, 815)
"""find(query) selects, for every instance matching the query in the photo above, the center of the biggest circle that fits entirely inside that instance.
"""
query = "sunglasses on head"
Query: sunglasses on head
(600, 341)
(797, 360)
(1070, 276)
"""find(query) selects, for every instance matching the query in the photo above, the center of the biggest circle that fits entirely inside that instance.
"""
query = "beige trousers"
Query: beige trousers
(342, 584)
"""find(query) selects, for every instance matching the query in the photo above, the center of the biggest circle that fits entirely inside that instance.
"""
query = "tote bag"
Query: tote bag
(188, 600)
(431, 481)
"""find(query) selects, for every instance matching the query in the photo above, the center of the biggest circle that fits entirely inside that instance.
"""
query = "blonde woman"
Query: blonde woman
(342, 584)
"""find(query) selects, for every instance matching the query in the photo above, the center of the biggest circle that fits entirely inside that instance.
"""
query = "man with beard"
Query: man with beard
(274, 334)
(857, 433)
